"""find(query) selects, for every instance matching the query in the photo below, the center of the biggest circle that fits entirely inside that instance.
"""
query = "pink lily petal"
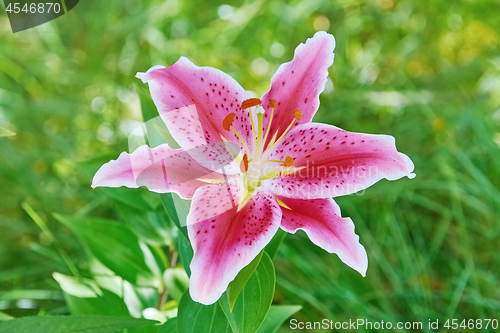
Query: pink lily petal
(322, 222)
(225, 243)
(213, 93)
(161, 169)
(334, 162)
(296, 85)
(186, 128)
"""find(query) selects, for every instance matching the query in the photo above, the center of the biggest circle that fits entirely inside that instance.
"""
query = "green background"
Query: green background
(426, 72)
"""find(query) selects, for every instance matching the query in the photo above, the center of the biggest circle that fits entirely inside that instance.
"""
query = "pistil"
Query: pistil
(260, 115)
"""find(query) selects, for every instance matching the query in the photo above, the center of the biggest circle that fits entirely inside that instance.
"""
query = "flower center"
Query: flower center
(255, 166)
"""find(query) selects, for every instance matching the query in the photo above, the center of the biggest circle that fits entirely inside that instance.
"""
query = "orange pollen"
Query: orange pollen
(288, 161)
(273, 104)
(297, 114)
(250, 102)
(244, 164)
(228, 121)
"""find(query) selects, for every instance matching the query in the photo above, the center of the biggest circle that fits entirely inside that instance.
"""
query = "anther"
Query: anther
(250, 102)
(297, 114)
(273, 104)
(244, 164)
(228, 121)
(288, 161)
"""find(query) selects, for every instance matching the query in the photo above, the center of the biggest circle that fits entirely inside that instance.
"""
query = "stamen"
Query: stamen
(272, 105)
(244, 164)
(253, 127)
(287, 162)
(250, 102)
(241, 139)
(280, 173)
(282, 204)
(297, 115)
(228, 121)
(227, 124)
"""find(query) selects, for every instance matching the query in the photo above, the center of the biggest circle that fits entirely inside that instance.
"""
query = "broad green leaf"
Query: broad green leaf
(5, 132)
(160, 258)
(140, 298)
(277, 316)
(114, 245)
(108, 304)
(105, 277)
(166, 136)
(194, 317)
(170, 326)
(4, 316)
(254, 301)
(78, 287)
(156, 130)
(70, 324)
(148, 107)
(41, 294)
(185, 252)
(274, 244)
(177, 209)
(236, 286)
(176, 282)
(151, 227)
(155, 328)
(129, 196)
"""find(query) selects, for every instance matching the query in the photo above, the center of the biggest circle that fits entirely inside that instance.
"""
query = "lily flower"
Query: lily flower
(285, 174)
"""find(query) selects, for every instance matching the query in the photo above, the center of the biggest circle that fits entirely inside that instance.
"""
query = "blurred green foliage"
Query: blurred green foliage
(427, 73)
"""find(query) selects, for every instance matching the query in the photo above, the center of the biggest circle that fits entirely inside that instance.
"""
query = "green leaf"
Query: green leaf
(185, 252)
(177, 209)
(114, 245)
(143, 329)
(255, 299)
(176, 282)
(79, 287)
(156, 130)
(277, 316)
(165, 135)
(148, 107)
(70, 324)
(274, 244)
(129, 196)
(108, 304)
(170, 326)
(87, 297)
(6, 132)
(236, 286)
(4, 316)
(194, 317)
(153, 228)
